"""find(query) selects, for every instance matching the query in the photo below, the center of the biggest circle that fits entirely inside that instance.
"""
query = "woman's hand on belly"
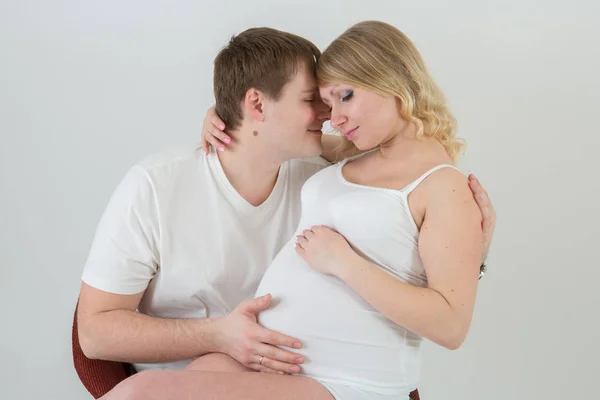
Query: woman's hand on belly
(325, 250)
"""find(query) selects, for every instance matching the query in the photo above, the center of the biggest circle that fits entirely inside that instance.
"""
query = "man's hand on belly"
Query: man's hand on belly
(242, 338)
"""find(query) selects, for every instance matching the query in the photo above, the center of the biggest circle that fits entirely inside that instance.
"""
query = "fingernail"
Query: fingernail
(299, 360)
(227, 140)
(221, 127)
(297, 345)
(222, 148)
(281, 372)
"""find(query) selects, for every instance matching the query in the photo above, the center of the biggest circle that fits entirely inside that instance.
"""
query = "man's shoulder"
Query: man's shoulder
(170, 158)
(164, 169)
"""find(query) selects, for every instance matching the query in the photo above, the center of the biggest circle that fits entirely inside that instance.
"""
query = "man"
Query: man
(186, 236)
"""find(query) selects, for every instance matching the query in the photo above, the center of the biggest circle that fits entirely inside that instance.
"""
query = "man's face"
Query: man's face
(293, 123)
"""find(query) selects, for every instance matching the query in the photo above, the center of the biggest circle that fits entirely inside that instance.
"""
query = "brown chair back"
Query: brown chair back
(97, 376)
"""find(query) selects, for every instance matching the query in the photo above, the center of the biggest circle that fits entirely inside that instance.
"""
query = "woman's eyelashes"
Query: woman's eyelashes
(347, 95)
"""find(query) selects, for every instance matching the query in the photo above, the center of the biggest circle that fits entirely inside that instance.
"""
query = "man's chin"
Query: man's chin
(310, 152)
(317, 150)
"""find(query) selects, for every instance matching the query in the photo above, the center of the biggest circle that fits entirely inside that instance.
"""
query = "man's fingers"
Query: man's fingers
(477, 187)
(278, 339)
(487, 210)
(482, 188)
(280, 366)
(256, 305)
(262, 368)
(488, 213)
(483, 202)
(275, 353)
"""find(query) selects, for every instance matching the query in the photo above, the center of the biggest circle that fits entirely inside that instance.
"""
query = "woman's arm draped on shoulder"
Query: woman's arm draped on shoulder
(213, 132)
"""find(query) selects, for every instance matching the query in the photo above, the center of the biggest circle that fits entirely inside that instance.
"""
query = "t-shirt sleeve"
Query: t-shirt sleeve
(124, 255)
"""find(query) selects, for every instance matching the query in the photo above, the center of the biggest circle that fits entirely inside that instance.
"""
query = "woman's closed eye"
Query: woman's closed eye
(347, 95)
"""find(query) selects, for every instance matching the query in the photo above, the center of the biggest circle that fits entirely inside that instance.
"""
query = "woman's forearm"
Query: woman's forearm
(421, 310)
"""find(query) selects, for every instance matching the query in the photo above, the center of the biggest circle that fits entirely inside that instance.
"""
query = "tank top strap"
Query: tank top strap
(411, 186)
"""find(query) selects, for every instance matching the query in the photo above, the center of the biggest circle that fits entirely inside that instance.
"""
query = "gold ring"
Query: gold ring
(261, 359)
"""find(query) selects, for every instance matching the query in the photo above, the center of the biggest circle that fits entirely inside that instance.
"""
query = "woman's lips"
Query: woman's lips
(350, 134)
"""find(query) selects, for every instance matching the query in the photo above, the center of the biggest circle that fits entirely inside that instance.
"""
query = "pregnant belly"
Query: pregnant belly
(344, 339)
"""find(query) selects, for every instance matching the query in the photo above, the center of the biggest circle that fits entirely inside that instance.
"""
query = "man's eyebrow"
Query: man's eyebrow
(312, 90)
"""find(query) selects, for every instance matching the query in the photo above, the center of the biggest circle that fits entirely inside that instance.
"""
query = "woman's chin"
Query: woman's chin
(364, 146)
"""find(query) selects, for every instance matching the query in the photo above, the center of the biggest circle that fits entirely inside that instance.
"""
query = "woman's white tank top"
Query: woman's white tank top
(345, 339)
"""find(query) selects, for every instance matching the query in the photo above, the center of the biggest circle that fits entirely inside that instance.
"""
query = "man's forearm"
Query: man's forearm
(128, 336)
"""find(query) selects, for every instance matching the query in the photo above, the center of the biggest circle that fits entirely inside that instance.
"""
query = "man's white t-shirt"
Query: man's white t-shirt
(176, 228)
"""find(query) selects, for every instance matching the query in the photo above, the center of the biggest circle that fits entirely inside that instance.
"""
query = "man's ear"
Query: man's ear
(253, 104)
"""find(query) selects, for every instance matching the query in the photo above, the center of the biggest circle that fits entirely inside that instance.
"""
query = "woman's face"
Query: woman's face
(364, 117)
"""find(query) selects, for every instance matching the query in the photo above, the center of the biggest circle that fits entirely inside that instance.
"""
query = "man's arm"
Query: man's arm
(123, 259)
(111, 329)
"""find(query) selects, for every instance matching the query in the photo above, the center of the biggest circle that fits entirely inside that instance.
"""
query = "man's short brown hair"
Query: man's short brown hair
(261, 58)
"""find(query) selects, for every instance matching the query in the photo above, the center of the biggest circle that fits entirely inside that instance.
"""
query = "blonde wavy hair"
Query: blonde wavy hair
(378, 57)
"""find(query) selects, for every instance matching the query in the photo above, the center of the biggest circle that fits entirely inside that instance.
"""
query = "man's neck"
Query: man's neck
(251, 167)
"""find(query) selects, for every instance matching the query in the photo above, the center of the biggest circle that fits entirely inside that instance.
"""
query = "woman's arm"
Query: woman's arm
(450, 244)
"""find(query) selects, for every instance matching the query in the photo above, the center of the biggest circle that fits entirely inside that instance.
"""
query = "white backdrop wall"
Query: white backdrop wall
(89, 88)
